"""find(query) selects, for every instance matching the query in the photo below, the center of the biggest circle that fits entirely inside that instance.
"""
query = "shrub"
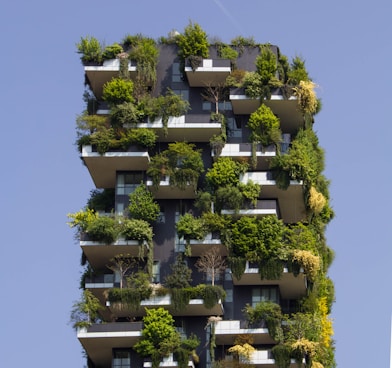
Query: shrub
(225, 172)
(297, 72)
(307, 99)
(193, 42)
(309, 262)
(90, 48)
(143, 137)
(316, 200)
(135, 229)
(142, 205)
(118, 91)
(190, 227)
(103, 229)
(110, 52)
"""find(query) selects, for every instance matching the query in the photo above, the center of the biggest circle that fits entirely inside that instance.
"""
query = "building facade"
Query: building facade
(209, 203)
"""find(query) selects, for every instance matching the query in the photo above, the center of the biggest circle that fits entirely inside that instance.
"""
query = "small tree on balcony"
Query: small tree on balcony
(85, 311)
(142, 205)
(121, 264)
(211, 263)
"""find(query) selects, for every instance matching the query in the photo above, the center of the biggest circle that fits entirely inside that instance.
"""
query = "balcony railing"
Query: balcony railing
(261, 358)
(264, 207)
(167, 191)
(167, 362)
(211, 72)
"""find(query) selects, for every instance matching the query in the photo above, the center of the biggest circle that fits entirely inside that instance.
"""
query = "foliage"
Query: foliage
(265, 126)
(87, 125)
(316, 200)
(121, 263)
(309, 262)
(127, 113)
(224, 172)
(82, 219)
(228, 197)
(182, 162)
(306, 96)
(180, 276)
(91, 49)
(143, 137)
(86, 311)
(237, 266)
(250, 191)
(282, 355)
(297, 72)
(137, 289)
(253, 85)
(142, 205)
(215, 222)
(326, 323)
(236, 78)
(111, 52)
(185, 349)
(304, 160)
(226, 52)
(118, 91)
(159, 336)
(137, 229)
(104, 229)
(190, 227)
(266, 64)
(241, 42)
(193, 42)
(203, 201)
(101, 200)
(211, 263)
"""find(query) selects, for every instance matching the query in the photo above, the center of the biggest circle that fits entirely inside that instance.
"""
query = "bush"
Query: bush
(190, 227)
(225, 172)
(134, 229)
(193, 42)
(142, 205)
(103, 229)
(110, 52)
(118, 91)
(91, 49)
(143, 137)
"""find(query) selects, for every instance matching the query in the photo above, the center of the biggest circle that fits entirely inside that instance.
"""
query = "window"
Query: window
(232, 129)
(264, 294)
(184, 93)
(121, 359)
(127, 182)
(156, 272)
(176, 73)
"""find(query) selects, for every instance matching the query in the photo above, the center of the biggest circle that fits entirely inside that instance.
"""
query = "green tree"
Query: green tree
(225, 172)
(180, 276)
(159, 336)
(193, 42)
(90, 48)
(265, 126)
(85, 311)
(142, 205)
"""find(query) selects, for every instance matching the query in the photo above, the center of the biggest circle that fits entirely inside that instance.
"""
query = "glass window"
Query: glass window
(156, 272)
(264, 294)
(121, 359)
(127, 182)
(207, 106)
(232, 129)
(184, 93)
(176, 73)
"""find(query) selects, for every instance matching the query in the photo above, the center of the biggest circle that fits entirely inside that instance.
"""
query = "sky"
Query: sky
(348, 52)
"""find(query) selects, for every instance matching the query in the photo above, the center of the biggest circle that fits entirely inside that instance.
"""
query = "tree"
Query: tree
(214, 94)
(142, 205)
(118, 91)
(180, 276)
(211, 263)
(86, 310)
(121, 264)
(159, 336)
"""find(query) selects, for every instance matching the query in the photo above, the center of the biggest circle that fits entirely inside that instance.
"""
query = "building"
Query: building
(230, 158)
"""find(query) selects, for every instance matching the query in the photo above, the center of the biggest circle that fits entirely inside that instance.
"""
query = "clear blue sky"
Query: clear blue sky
(347, 48)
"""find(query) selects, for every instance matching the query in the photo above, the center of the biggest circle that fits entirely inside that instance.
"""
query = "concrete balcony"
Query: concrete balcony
(290, 286)
(211, 72)
(99, 254)
(168, 362)
(199, 247)
(285, 109)
(291, 201)
(226, 332)
(195, 307)
(167, 191)
(99, 339)
(263, 358)
(103, 168)
(98, 75)
(241, 151)
(190, 128)
(264, 207)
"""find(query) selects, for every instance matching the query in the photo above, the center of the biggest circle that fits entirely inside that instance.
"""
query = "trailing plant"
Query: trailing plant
(180, 297)
(226, 52)
(91, 49)
(237, 266)
(241, 42)
(186, 348)
(142, 205)
(211, 294)
(306, 97)
(85, 312)
(316, 200)
(250, 191)
(309, 262)
(270, 269)
(118, 91)
(304, 161)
